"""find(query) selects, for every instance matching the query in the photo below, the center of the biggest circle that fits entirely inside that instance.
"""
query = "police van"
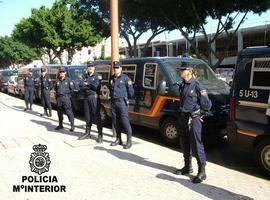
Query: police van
(249, 125)
(75, 73)
(156, 108)
(4, 77)
(23, 72)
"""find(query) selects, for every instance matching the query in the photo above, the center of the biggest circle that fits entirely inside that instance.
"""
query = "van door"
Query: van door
(252, 98)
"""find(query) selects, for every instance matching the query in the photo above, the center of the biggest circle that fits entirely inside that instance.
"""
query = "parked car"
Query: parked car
(249, 125)
(13, 85)
(4, 77)
(154, 109)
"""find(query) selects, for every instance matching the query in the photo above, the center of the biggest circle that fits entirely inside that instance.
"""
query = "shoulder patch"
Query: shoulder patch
(130, 82)
(99, 77)
(71, 83)
(49, 79)
(203, 92)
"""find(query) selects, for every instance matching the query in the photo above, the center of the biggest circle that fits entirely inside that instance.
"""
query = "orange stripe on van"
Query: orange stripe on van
(157, 106)
(247, 133)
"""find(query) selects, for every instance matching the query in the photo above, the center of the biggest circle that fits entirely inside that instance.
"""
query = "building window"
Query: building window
(260, 73)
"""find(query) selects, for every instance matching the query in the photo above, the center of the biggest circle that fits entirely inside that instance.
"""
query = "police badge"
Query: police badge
(39, 160)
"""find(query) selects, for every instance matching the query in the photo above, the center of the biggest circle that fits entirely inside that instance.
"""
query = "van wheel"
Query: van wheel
(262, 155)
(170, 131)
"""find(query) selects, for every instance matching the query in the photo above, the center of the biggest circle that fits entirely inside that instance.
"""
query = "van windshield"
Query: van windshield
(202, 72)
(76, 73)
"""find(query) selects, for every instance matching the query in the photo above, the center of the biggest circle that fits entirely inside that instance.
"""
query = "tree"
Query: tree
(190, 18)
(134, 21)
(14, 52)
(58, 29)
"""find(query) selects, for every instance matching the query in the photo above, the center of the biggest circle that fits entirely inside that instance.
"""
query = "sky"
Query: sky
(12, 11)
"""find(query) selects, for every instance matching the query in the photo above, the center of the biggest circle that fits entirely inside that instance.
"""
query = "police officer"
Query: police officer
(45, 86)
(64, 88)
(121, 89)
(90, 85)
(29, 87)
(194, 102)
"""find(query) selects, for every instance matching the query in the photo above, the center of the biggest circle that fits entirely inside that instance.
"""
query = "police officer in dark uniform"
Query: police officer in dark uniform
(121, 89)
(90, 85)
(45, 86)
(29, 87)
(194, 102)
(64, 88)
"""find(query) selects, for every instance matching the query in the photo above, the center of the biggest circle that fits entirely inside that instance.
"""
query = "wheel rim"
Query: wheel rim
(171, 131)
(266, 157)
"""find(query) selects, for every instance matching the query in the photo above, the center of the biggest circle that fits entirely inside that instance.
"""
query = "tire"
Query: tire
(170, 131)
(262, 155)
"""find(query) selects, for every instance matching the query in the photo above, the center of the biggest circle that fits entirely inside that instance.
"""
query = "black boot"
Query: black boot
(86, 135)
(44, 113)
(187, 169)
(129, 142)
(50, 113)
(30, 107)
(60, 126)
(71, 127)
(201, 174)
(26, 108)
(118, 141)
(100, 136)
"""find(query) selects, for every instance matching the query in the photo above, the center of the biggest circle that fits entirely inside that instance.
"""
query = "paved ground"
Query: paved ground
(92, 171)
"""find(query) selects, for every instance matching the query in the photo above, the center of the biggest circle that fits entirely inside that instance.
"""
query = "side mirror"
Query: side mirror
(162, 88)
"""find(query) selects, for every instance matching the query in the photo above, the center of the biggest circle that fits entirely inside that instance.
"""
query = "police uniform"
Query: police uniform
(29, 87)
(46, 86)
(64, 88)
(90, 86)
(193, 102)
(121, 89)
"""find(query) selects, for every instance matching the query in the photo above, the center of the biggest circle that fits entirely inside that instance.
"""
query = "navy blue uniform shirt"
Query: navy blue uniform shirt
(91, 84)
(193, 96)
(121, 87)
(29, 82)
(46, 82)
(64, 87)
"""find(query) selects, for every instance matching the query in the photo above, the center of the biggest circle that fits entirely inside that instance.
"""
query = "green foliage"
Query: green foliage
(59, 28)
(14, 52)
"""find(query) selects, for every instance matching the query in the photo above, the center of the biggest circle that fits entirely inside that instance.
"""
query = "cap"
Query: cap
(90, 64)
(185, 66)
(43, 69)
(62, 69)
(30, 69)
(116, 64)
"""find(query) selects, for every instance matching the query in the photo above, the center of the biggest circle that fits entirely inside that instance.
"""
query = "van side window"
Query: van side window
(104, 71)
(150, 75)
(130, 70)
(260, 73)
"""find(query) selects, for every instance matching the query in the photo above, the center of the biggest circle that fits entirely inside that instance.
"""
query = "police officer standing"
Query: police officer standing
(121, 89)
(64, 88)
(29, 87)
(45, 86)
(194, 102)
(90, 85)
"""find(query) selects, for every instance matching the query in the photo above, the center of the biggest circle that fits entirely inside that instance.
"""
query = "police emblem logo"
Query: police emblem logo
(121, 81)
(49, 80)
(57, 83)
(99, 77)
(191, 91)
(39, 160)
(71, 83)
(66, 83)
(130, 82)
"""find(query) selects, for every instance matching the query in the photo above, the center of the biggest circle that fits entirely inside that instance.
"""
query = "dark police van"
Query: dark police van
(249, 125)
(23, 72)
(151, 107)
(75, 73)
